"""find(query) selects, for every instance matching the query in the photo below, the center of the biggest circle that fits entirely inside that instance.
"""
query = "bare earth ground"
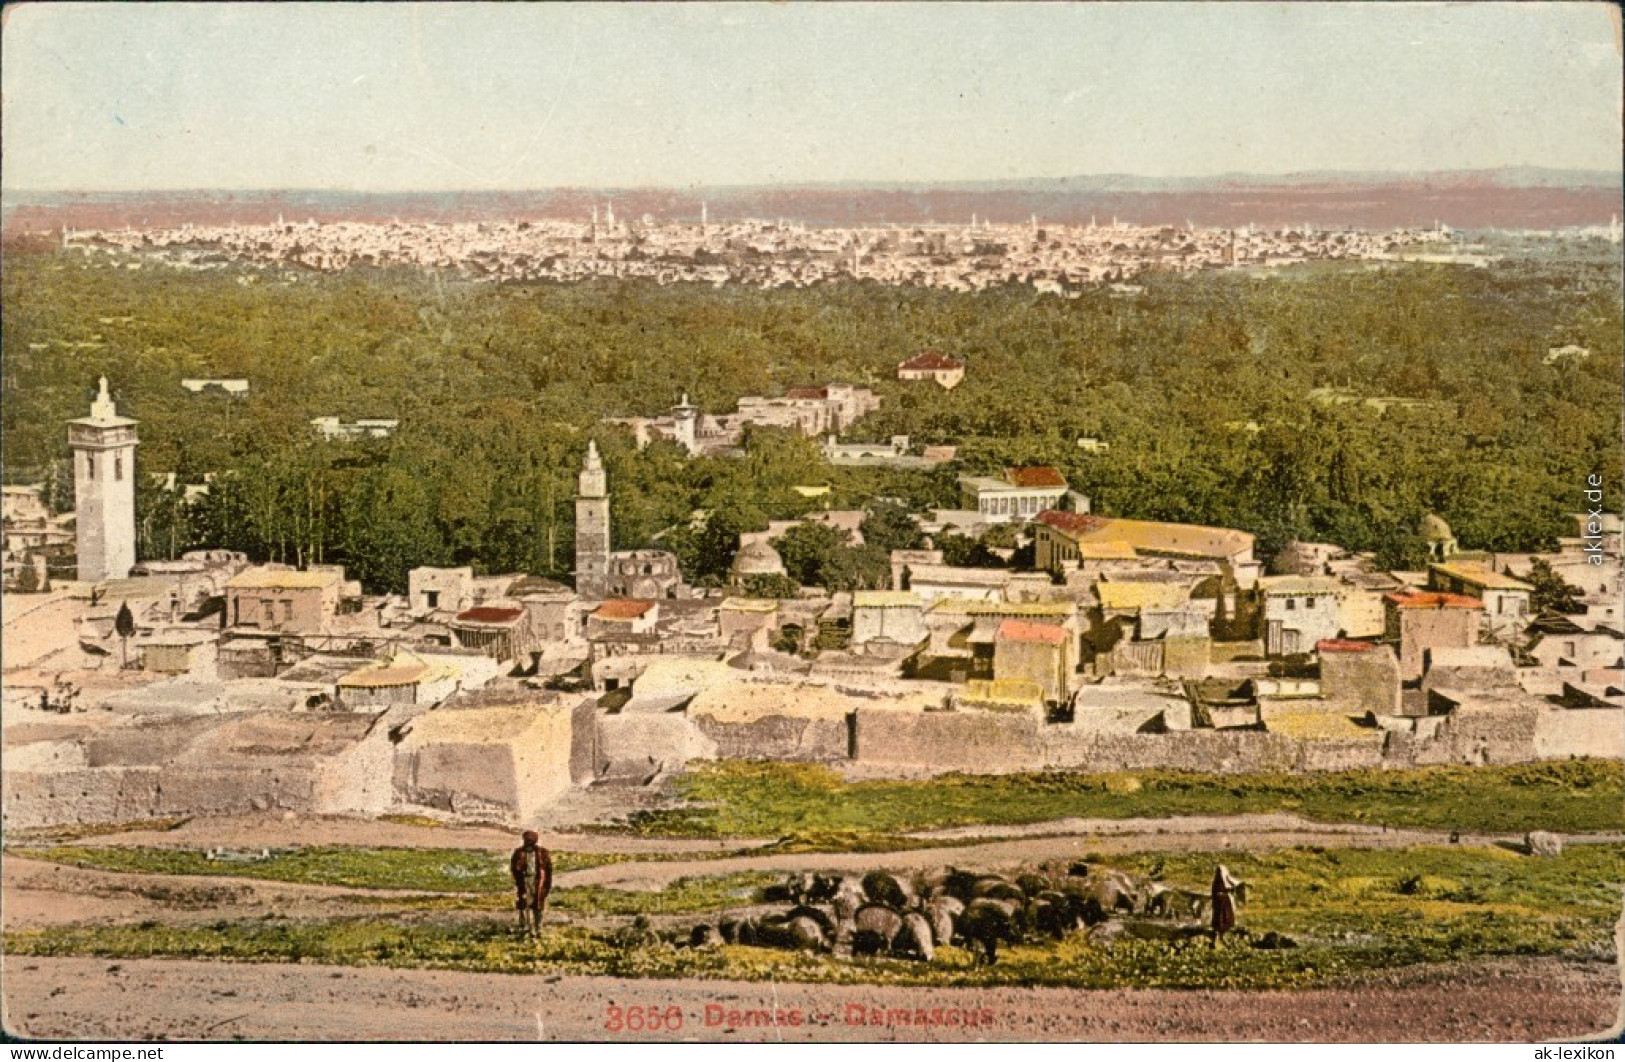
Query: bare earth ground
(86, 998)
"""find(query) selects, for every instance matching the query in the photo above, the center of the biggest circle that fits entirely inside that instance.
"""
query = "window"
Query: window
(1291, 604)
(432, 598)
(287, 612)
(269, 609)
(1308, 602)
(118, 467)
(90, 467)
(1568, 649)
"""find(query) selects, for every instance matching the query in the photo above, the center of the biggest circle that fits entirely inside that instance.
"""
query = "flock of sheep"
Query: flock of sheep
(884, 913)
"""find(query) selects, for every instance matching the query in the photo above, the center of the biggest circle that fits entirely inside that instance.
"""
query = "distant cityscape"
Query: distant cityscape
(974, 256)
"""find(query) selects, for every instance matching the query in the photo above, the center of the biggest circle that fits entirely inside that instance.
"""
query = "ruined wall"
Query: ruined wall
(968, 741)
(510, 761)
(1365, 680)
(358, 779)
(1564, 732)
(670, 738)
(124, 794)
(779, 737)
(1480, 735)
(948, 741)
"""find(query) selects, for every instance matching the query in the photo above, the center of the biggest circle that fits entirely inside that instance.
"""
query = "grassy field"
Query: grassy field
(1350, 911)
(747, 799)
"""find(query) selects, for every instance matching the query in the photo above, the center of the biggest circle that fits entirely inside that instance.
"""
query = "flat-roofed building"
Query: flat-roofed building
(283, 599)
(1064, 538)
(1506, 600)
(1041, 653)
(1420, 621)
(940, 369)
(890, 615)
(1298, 611)
(1018, 495)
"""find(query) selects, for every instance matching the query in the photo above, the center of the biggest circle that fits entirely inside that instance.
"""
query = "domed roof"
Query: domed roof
(758, 558)
(1434, 529)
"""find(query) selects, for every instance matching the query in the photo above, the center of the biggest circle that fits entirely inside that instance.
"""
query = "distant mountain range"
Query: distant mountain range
(1512, 197)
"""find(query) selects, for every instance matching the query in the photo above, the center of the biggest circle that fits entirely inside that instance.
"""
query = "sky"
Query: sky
(431, 97)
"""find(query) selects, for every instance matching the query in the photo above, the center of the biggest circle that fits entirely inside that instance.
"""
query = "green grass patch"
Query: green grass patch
(1352, 911)
(751, 799)
(422, 821)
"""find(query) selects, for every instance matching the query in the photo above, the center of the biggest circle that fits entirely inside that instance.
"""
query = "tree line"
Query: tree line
(1228, 399)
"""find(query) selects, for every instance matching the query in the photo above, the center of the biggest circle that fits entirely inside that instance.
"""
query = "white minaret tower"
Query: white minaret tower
(103, 447)
(686, 418)
(592, 527)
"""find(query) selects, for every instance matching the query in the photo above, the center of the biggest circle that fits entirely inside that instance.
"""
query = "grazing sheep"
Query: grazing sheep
(941, 911)
(883, 887)
(914, 938)
(985, 923)
(874, 929)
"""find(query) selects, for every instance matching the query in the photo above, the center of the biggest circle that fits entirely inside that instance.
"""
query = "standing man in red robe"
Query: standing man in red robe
(532, 869)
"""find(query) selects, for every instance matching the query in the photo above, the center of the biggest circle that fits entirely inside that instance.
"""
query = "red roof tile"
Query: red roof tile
(1014, 630)
(1431, 599)
(1072, 523)
(488, 614)
(1034, 476)
(930, 360)
(628, 608)
(1342, 645)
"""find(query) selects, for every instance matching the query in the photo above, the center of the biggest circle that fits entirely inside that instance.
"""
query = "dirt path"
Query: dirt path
(86, 998)
(39, 894)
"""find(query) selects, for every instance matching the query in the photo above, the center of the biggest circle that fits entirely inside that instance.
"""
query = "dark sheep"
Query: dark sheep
(984, 924)
(886, 888)
(999, 889)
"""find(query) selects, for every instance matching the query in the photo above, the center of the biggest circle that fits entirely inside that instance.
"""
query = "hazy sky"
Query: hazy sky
(425, 96)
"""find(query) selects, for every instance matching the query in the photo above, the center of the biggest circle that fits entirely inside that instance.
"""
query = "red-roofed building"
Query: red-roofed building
(1423, 620)
(946, 372)
(1037, 652)
(1020, 494)
(1035, 476)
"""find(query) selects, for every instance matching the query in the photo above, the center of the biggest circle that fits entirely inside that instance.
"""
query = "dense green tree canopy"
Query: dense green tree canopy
(1261, 402)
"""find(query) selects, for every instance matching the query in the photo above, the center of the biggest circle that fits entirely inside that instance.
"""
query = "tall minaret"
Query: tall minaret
(685, 416)
(103, 447)
(592, 527)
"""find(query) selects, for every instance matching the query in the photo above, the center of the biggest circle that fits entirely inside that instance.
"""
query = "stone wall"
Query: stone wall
(510, 760)
(966, 741)
(668, 738)
(779, 737)
(1564, 732)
